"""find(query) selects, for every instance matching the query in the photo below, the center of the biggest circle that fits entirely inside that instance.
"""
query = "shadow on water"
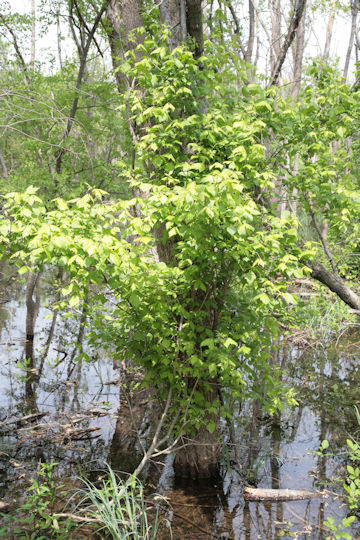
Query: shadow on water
(55, 408)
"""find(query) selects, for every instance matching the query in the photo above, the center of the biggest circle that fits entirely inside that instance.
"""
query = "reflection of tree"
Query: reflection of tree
(123, 453)
(32, 302)
(327, 380)
(53, 324)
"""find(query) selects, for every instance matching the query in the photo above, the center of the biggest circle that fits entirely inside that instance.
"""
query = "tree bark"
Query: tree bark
(335, 284)
(4, 167)
(354, 14)
(122, 19)
(251, 40)
(299, 55)
(199, 456)
(59, 38)
(261, 494)
(170, 16)
(275, 45)
(194, 25)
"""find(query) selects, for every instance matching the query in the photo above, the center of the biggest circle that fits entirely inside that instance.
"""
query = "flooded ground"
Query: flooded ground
(77, 415)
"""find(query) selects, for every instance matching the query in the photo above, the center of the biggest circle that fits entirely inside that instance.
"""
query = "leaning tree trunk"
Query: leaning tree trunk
(335, 284)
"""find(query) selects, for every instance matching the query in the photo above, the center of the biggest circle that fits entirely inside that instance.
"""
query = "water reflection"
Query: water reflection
(90, 419)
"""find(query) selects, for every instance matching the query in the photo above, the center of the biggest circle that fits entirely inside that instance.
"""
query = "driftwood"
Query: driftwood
(264, 494)
(5, 507)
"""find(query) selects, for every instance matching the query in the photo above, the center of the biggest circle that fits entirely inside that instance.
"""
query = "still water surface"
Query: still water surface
(86, 425)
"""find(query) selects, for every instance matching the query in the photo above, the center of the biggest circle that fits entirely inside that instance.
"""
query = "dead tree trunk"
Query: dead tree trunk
(32, 310)
(262, 494)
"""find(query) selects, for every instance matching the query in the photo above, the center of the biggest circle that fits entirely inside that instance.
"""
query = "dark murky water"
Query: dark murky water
(87, 424)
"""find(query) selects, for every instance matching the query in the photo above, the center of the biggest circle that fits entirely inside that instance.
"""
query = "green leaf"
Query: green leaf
(134, 300)
(211, 426)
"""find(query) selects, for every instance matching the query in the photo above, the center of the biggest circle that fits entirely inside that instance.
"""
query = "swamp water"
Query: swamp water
(80, 419)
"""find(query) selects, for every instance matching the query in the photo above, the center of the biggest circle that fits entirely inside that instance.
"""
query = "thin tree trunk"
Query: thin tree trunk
(354, 14)
(329, 31)
(251, 40)
(322, 240)
(183, 27)
(59, 38)
(33, 33)
(299, 55)
(32, 310)
(275, 45)
(17, 48)
(238, 29)
(4, 167)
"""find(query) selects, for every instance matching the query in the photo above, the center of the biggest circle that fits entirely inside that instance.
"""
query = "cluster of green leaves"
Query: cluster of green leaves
(351, 487)
(193, 288)
(34, 519)
(319, 167)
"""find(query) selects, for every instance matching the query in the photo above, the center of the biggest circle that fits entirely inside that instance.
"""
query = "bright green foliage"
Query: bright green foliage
(338, 531)
(352, 485)
(197, 282)
(35, 519)
(320, 161)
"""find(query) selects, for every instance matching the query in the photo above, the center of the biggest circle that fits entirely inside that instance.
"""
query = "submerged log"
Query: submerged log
(28, 419)
(263, 494)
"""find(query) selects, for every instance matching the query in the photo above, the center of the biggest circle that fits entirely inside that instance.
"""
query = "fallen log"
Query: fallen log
(278, 495)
